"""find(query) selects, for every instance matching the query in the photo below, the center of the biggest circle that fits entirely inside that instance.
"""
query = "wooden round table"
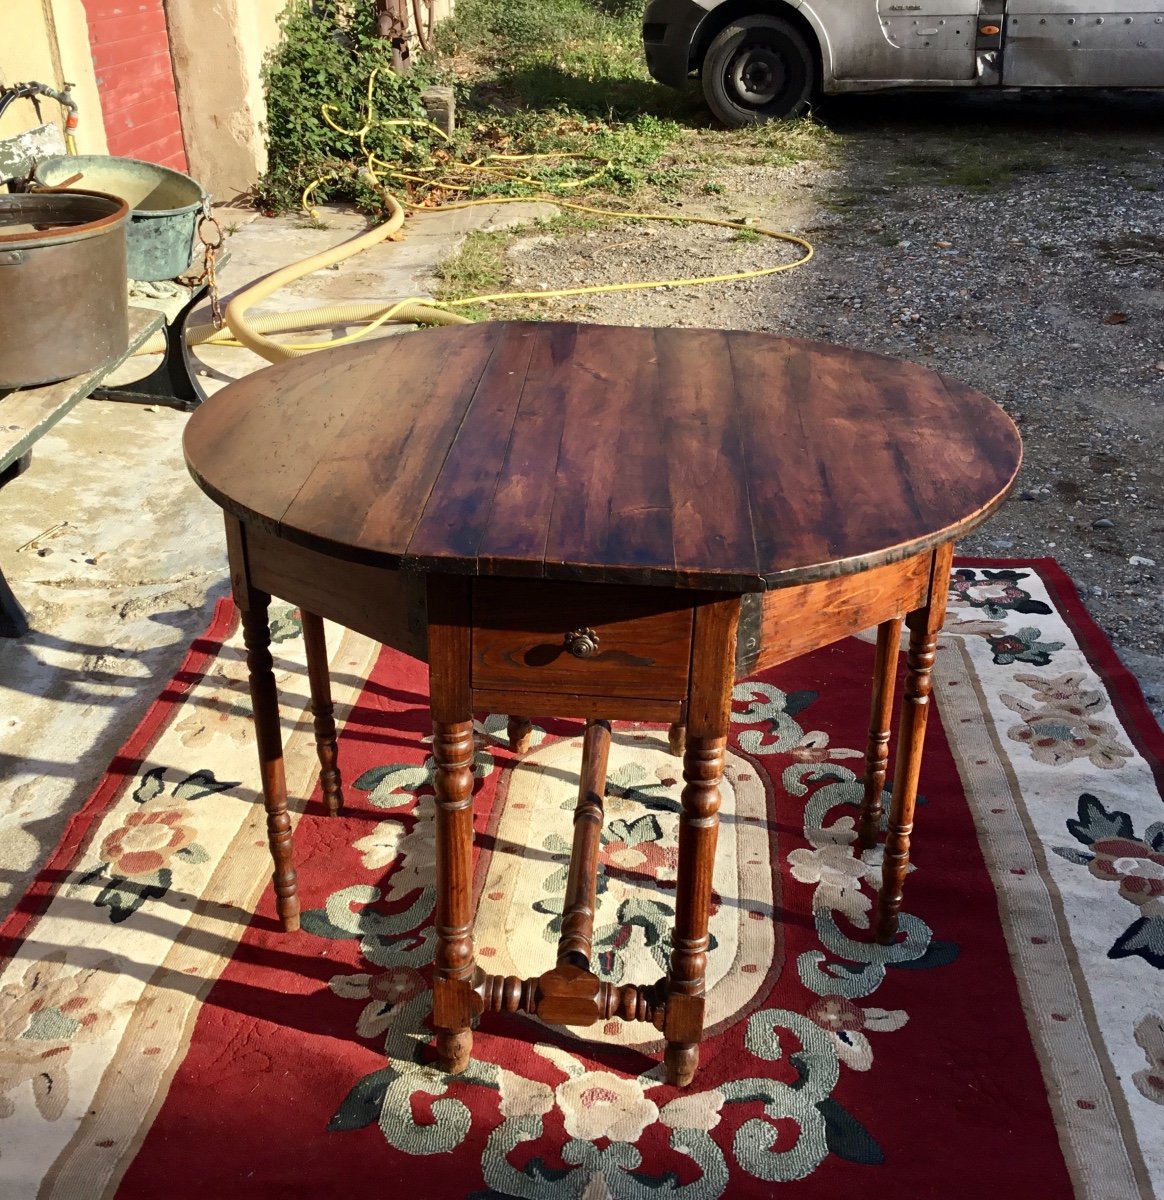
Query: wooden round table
(585, 521)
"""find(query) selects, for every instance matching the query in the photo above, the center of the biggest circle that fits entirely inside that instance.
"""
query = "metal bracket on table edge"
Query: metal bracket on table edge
(748, 633)
(175, 379)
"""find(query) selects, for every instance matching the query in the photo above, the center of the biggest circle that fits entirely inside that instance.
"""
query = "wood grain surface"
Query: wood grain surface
(695, 458)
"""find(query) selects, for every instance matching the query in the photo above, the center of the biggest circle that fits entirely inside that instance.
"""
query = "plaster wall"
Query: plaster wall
(440, 10)
(218, 48)
(48, 40)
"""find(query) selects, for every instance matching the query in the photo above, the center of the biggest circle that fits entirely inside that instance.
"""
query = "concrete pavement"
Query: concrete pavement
(117, 556)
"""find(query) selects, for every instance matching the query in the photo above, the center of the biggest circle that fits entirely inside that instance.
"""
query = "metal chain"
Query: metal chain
(210, 252)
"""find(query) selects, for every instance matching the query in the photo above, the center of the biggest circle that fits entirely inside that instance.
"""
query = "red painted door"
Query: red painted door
(135, 79)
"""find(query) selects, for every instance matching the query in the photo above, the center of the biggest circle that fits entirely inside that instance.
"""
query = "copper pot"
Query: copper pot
(64, 306)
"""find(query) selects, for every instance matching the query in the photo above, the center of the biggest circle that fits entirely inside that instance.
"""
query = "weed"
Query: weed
(841, 199)
(478, 269)
(934, 158)
(786, 143)
(977, 174)
(776, 143)
(975, 164)
(710, 188)
(745, 235)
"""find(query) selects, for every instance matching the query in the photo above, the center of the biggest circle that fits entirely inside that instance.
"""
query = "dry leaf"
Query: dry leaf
(1115, 318)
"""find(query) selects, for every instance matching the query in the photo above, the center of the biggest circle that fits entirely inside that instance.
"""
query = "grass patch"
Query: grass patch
(564, 76)
(580, 55)
(975, 165)
(533, 77)
(479, 268)
(977, 175)
(775, 144)
(845, 198)
(571, 75)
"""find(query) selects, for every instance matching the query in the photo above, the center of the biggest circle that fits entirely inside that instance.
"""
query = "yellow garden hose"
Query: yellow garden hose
(413, 312)
(252, 332)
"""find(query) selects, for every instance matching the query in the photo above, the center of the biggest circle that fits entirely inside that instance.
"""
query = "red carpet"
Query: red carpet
(248, 1062)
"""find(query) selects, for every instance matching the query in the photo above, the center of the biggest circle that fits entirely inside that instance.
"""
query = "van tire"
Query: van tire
(758, 69)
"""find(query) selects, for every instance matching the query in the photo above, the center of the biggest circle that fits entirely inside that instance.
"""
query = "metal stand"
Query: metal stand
(174, 381)
(13, 619)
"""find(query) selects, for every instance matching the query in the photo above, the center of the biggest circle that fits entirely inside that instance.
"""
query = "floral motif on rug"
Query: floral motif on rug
(586, 1123)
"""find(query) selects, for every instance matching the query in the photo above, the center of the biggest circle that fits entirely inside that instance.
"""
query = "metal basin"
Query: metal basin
(166, 204)
(63, 303)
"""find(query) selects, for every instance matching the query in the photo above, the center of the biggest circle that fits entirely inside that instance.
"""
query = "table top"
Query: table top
(675, 457)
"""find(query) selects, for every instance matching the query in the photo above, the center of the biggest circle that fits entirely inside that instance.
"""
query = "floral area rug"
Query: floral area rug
(161, 1036)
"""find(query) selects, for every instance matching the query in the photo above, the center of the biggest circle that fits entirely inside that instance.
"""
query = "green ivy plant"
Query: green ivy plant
(548, 74)
(328, 51)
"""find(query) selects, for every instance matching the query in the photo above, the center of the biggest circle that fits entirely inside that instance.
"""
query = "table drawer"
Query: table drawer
(582, 638)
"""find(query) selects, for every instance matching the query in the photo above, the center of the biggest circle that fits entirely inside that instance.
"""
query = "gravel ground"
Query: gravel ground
(1015, 244)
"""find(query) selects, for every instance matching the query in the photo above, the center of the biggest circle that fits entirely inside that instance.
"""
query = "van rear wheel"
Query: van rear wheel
(758, 69)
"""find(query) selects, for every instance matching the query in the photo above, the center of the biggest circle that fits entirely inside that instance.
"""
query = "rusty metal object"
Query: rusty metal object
(63, 302)
(392, 23)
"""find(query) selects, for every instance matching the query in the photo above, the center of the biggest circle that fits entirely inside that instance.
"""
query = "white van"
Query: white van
(761, 59)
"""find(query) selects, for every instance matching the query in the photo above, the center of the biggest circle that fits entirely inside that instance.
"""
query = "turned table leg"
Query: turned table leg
(520, 731)
(877, 751)
(924, 625)
(452, 996)
(455, 1004)
(323, 712)
(265, 702)
(677, 739)
(253, 605)
(708, 715)
(576, 941)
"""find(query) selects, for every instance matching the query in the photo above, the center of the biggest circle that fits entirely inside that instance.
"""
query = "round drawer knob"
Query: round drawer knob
(582, 643)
